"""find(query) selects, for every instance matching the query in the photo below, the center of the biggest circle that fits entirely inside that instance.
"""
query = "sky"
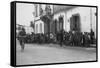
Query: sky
(24, 13)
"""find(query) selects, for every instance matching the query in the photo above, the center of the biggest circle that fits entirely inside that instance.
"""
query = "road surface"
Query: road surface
(47, 53)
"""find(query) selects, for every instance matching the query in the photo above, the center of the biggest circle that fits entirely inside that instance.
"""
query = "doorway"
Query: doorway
(75, 23)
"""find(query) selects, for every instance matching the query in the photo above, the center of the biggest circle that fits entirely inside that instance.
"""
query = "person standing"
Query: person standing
(21, 39)
(92, 36)
(61, 38)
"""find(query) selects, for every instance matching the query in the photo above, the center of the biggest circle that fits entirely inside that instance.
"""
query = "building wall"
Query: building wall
(56, 16)
(37, 18)
(39, 26)
(87, 16)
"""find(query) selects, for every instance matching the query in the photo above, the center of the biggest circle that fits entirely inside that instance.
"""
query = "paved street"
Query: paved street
(39, 54)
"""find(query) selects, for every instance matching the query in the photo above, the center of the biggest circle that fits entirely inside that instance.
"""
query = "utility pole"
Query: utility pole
(90, 18)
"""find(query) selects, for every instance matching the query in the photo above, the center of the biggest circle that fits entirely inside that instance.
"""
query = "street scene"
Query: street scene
(48, 33)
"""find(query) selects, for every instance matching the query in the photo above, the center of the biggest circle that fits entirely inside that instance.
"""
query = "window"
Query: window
(40, 27)
(36, 28)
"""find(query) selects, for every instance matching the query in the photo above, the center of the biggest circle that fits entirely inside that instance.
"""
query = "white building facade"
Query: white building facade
(86, 17)
(74, 17)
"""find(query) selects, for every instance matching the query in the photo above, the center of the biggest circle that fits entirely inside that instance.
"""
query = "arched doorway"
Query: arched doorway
(75, 23)
(36, 29)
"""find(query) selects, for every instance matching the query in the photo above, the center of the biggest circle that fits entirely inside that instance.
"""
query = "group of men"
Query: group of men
(74, 38)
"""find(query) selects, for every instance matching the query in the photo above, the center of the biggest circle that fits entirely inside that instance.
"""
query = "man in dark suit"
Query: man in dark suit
(61, 37)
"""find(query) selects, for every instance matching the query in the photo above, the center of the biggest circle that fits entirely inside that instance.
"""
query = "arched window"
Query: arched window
(40, 27)
(36, 28)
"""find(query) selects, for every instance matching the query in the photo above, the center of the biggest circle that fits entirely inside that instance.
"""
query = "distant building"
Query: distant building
(28, 29)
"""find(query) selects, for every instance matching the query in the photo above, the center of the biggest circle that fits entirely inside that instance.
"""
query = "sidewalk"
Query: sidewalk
(68, 47)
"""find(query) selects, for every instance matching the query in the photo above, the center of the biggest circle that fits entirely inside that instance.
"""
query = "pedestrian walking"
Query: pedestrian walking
(21, 39)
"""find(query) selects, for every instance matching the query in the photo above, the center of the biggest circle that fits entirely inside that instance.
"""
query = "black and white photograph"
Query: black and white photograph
(55, 33)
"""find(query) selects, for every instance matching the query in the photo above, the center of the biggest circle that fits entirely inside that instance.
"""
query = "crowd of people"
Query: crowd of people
(71, 38)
